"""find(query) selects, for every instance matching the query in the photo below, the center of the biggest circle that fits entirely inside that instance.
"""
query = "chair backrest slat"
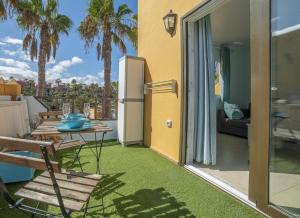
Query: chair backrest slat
(32, 162)
(24, 144)
(28, 161)
(51, 115)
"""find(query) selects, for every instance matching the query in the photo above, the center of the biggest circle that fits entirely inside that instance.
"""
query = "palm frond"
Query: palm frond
(33, 49)
(3, 14)
(51, 8)
(101, 9)
(27, 18)
(88, 30)
(37, 7)
(62, 24)
(7, 8)
(118, 41)
(27, 41)
(98, 48)
(54, 42)
(133, 33)
(133, 36)
(123, 10)
(135, 17)
(54, 48)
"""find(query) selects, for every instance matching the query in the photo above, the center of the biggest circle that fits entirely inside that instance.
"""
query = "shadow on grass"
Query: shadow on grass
(151, 203)
(136, 146)
(110, 183)
(111, 143)
(147, 203)
(66, 159)
(143, 203)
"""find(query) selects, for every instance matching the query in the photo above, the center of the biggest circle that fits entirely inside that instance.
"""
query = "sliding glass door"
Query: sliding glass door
(274, 170)
(284, 149)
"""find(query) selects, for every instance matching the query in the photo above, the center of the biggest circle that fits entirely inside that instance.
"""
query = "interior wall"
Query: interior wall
(240, 78)
(163, 62)
(231, 28)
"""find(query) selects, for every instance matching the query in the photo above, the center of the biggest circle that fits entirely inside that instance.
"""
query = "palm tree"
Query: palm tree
(103, 22)
(43, 25)
(7, 7)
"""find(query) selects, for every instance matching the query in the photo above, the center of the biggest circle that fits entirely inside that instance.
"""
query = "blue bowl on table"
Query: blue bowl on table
(74, 116)
(75, 123)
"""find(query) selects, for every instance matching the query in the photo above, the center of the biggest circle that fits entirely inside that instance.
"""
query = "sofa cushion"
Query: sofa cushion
(233, 111)
(242, 123)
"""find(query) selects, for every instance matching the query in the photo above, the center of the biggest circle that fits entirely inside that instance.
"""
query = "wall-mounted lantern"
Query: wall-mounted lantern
(170, 22)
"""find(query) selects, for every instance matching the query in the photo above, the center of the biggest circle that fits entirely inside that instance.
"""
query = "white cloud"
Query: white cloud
(19, 53)
(76, 60)
(9, 52)
(11, 40)
(22, 70)
(64, 65)
(55, 71)
(101, 74)
(51, 61)
(88, 79)
(17, 69)
(18, 73)
(13, 63)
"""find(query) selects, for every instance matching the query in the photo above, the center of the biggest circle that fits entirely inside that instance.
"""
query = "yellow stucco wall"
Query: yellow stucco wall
(163, 62)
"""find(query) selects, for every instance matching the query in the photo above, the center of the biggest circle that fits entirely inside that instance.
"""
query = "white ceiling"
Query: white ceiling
(231, 23)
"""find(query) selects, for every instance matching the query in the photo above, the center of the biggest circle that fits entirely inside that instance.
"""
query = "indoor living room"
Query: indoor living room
(231, 41)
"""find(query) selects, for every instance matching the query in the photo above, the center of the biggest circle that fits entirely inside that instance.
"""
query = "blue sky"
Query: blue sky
(71, 61)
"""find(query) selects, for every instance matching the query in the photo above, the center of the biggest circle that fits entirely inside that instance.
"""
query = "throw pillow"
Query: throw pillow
(233, 111)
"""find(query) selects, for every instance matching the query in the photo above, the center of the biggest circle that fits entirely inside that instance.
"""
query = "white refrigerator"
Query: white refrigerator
(130, 100)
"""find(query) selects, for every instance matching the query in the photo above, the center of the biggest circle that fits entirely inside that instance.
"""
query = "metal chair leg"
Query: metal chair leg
(86, 207)
(77, 155)
(98, 152)
(37, 207)
(102, 199)
(80, 165)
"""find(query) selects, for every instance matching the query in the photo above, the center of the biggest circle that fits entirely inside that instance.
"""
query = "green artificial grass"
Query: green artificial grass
(138, 182)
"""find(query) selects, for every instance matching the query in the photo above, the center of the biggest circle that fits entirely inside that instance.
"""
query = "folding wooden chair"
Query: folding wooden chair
(70, 191)
(51, 115)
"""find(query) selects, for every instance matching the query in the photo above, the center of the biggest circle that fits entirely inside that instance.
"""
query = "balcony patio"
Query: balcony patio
(137, 182)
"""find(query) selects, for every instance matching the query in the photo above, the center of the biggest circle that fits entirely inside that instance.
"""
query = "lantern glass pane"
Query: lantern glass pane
(172, 21)
(166, 21)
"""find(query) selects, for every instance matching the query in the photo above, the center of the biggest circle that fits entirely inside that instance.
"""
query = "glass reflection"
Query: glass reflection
(285, 106)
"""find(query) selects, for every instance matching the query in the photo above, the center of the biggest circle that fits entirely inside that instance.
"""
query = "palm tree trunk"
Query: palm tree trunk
(42, 63)
(106, 107)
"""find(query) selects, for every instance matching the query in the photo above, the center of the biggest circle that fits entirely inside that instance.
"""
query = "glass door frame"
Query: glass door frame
(260, 24)
(260, 42)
